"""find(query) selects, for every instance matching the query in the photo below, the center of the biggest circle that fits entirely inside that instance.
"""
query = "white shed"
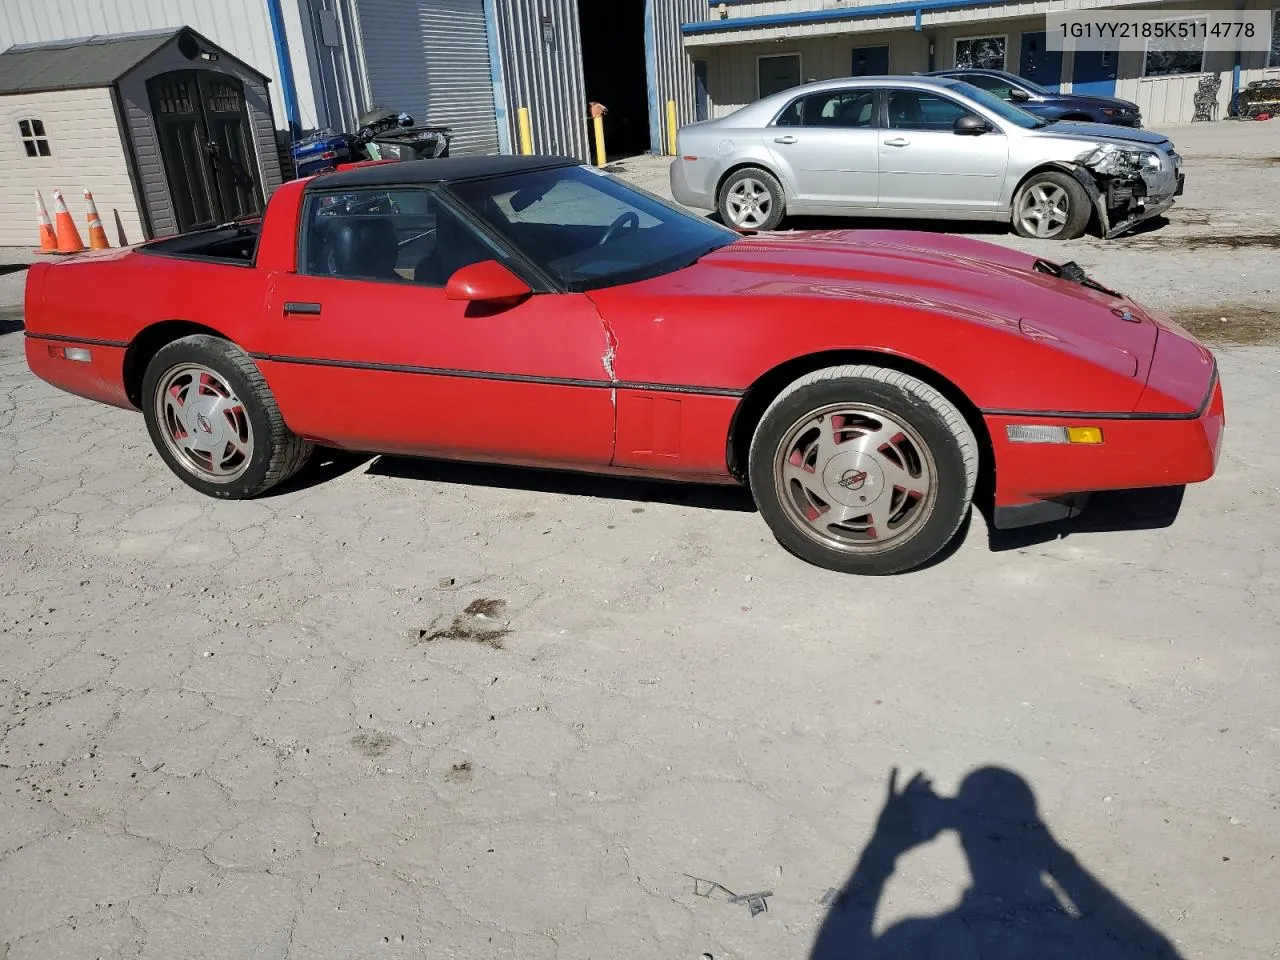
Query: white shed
(169, 131)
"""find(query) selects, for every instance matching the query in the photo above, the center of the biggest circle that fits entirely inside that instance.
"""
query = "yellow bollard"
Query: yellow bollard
(671, 128)
(598, 123)
(526, 134)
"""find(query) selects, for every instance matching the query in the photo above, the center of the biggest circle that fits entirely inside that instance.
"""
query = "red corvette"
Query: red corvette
(529, 310)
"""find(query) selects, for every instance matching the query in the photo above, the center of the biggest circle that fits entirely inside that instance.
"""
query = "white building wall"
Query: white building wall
(85, 152)
(732, 62)
(242, 27)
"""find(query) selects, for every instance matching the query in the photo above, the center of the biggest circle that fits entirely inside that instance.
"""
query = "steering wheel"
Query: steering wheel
(626, 223)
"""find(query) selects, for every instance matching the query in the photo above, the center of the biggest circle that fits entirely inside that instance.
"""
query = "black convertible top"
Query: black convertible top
(441, 170)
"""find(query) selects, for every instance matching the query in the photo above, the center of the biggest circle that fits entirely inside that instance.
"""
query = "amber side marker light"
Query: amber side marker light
(71, 353)
(1036, 433)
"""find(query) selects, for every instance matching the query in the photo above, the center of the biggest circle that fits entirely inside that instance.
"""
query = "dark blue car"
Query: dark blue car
(1046, 103)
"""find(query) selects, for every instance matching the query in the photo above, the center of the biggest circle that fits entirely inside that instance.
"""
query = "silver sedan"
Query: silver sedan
(921, 147)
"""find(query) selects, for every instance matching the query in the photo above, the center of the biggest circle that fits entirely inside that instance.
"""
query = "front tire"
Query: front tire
(862, 469)
(1051, 205)
(751, 199)
(214, 421)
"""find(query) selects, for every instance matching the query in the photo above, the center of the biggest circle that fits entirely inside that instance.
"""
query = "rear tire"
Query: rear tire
(1051, 205)
(214, 421)
(751, 199)
(863, 469)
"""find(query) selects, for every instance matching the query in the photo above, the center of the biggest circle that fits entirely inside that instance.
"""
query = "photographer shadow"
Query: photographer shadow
(1030, 899)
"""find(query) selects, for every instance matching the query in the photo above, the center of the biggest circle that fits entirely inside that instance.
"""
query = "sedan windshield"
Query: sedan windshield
(588, 229)
(1005, 111)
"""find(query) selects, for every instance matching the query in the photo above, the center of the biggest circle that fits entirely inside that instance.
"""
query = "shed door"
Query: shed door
(430, 58)
(206, 146)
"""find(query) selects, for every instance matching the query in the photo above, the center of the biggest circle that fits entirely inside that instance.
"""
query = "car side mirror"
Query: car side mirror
(970, 125)
(1018, 95)
(486, 282)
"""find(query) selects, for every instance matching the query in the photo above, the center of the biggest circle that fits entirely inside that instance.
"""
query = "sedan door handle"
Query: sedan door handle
(787, 139)
(295, 309)
(897, 142)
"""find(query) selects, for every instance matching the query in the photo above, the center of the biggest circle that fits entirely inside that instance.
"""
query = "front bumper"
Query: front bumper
(1035, 481)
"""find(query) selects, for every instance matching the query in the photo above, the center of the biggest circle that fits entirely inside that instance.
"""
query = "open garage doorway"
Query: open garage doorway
(614, 69)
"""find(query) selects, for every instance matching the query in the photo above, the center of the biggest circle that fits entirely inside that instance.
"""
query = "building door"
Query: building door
(431, 59)
(701, 101)
(1039, 64)
(1095, 73)
(209, 159)
(775, 73)
(870, 62)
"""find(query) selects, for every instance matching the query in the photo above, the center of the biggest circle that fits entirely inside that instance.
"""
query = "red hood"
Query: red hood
(967, 279)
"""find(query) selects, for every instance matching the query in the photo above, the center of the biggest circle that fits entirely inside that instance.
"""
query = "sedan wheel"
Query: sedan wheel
(863, 469)
(1052, 205)
(751, 199)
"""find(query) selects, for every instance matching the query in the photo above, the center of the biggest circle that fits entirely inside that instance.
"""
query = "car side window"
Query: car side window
(995, 85)
(832, 108)
(397, 235)
(918, 110)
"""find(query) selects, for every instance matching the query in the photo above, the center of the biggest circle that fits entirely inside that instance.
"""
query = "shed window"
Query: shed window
(33, 139)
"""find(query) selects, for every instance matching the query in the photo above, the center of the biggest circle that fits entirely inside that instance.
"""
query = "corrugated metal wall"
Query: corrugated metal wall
(240, 26)
(542, 70)
(670, 66)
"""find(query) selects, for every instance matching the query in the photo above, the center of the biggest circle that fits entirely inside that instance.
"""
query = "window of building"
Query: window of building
(917, 110)
(980, 53)
(1273, 60)
(777, 73)
(834, 108)
(1161, 61)
(399, 236)
(34, 140)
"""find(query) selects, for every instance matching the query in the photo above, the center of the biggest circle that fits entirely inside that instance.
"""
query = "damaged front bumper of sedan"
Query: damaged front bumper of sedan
(1128, 186)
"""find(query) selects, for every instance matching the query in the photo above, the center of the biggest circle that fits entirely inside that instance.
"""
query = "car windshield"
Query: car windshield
(1005, 111)
(588, 229)
(1029, 85)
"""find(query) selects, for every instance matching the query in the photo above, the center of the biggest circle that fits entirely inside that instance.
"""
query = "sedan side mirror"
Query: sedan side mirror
(486, 282)
(971, 125)
(1018, 95)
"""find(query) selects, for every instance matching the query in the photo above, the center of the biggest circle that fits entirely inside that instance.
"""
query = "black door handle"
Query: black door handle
(293, 308)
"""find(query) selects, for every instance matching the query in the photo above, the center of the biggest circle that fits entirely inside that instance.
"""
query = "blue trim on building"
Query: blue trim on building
(288, 92)
(919, 19)
(497, 76)
(826, 16)
(651, 80)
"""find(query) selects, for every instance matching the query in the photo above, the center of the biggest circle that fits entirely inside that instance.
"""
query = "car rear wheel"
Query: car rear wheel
(1051, 206)
(751, 199)
(862, 469)
(214, 421)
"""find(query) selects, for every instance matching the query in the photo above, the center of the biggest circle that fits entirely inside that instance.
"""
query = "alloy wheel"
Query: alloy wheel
(203, 423)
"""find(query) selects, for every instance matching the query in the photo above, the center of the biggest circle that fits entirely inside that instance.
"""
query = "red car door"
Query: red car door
(367, 353)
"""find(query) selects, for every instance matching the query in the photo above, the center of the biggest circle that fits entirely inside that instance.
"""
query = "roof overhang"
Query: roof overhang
(862, 18)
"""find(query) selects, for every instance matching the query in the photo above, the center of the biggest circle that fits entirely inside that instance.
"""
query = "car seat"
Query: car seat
(904, 110)
(456, 247)
(365, 247)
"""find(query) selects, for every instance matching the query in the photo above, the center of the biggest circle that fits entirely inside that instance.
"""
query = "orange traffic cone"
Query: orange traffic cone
(48, 239)
(68, 236)
(97, 235)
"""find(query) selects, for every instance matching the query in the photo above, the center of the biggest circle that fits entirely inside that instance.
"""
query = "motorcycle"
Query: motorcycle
(381, 135)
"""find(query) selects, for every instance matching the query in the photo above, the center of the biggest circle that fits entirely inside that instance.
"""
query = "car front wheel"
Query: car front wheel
(863, 469)
(214, 421)
(751, 199)
(1051, 206)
